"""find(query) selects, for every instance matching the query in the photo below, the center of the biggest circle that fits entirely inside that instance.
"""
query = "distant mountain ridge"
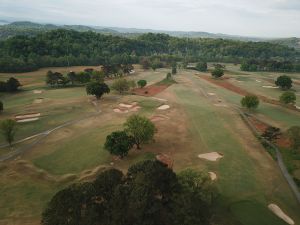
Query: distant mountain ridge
(29, 28)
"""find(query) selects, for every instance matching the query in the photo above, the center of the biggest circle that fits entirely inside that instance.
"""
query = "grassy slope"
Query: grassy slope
(239, 178)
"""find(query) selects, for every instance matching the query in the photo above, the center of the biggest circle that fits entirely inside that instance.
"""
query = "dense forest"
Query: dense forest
(70, 48)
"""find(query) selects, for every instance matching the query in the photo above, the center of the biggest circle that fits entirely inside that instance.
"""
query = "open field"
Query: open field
(200, 119)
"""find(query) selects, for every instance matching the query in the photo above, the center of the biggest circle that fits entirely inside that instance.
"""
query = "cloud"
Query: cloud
(244, 17)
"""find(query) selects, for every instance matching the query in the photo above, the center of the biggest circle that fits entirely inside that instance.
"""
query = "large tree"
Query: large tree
(119, 143)
(140, 128)
(97, 89)
(285, 82)
(150, 194)
(8, 129)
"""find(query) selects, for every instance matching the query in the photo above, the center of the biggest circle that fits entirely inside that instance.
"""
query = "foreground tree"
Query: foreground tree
(217, 73)
(141, 129)
(294, 135)
(97, 89)
(119, 143)
(121, 85)
(288, 97)
(150, 194)
(142, 83)
(250, 102)
(8, 129)
(284, 82)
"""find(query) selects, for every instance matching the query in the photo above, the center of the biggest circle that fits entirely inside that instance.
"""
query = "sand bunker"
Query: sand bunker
(297, 107)
(120, 111)
(212, 156)
(160, 99)
(163, 107)
(270, 87)
(212, 175)
(38, 100)
(37, 92)
(126, 108)
(28, 120)
(258, 81)
(211, 94)
(26, 116)
(278, 212)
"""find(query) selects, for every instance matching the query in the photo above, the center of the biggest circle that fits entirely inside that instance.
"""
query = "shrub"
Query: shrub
(250, 102)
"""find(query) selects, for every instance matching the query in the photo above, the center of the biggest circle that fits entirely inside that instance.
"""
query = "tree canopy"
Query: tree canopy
(149, 194)
(217, 72)
(284, 81)
(119, 143)
(142, 83)
(140, 128)
(121, 85)
(8, 129)
(250, 102)
(288, 97)
(97, 89)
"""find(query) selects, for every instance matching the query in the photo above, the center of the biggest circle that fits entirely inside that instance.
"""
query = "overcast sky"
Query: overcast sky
(265, 18)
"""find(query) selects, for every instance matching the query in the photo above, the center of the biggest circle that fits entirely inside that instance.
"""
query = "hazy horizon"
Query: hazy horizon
(271, 18)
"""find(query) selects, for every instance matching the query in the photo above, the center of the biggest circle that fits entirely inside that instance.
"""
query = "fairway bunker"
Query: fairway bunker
(278, 212)
(220, 105)
(212, 176)
(37, 92)
(258, 81)
(212, 156)
(27, 117)
(211, 93)
(126, 108)
(271, 87)
(38, 100)
(160, 99)
(163, 107)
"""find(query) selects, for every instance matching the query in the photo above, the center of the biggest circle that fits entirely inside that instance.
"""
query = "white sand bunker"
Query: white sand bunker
(274, 87)
(26, 116)
(27, 120)
(258, 81)
(120, 111)
(126, 108)
(38, 100)
(160, 99)
(212, 175)
(297, 107)
(163, 107)
(278, 212)
(37, 92)
(212, 156)
(211, 94)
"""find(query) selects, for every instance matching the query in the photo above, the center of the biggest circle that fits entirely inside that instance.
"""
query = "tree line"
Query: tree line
(72, 48)
(270, 65)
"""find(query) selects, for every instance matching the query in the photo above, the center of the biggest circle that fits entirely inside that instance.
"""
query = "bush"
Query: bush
(121, 85)
(142, 83)
(250, 102)
(288, 97)
(201, 66)
(217, 73)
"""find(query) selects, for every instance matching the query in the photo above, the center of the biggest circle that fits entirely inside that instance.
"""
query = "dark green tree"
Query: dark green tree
(201, 66)
(12, 84)
(119, 143)
(285, 82)
(142, 83)
(97, 89)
